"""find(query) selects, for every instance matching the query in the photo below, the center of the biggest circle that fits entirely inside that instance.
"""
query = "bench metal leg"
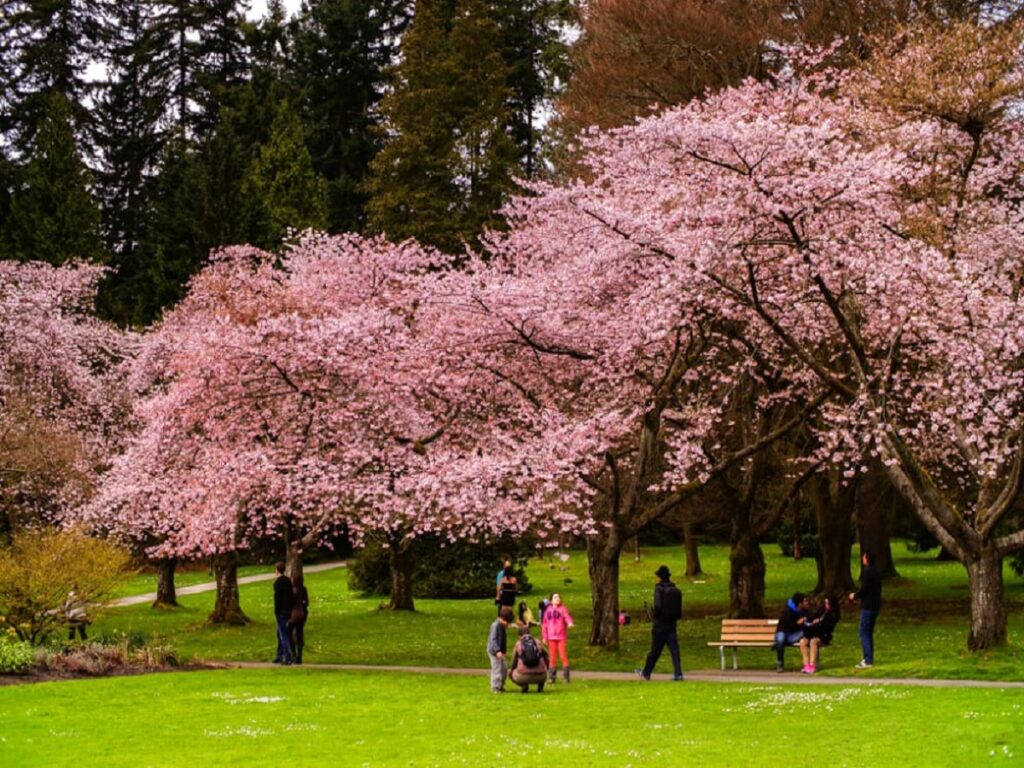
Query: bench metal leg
(721, 654)
(735, 658)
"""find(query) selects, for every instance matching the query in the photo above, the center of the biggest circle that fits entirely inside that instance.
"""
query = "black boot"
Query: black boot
(565, 673)
(552, 674)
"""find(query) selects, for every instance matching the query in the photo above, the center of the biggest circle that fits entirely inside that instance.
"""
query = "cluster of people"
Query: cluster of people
(291, 609)
(531, 663)
(812, 629)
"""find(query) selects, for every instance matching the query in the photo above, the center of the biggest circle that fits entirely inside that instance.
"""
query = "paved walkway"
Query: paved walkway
(210, 586)
(752, 677)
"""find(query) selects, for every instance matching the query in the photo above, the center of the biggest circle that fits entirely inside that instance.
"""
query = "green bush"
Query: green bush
(442, 569)
(16, 657)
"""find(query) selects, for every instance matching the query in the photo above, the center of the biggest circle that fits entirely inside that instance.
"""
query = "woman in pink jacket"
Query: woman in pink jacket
(553, 627)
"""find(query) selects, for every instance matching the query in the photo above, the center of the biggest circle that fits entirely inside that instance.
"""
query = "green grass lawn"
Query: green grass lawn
(921, 632)
(194, 573)
(305, 717)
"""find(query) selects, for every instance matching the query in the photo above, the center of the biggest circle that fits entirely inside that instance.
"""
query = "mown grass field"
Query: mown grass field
(301, 717)
(921, 632)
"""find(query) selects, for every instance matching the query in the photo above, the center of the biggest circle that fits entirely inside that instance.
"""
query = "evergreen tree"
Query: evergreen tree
(340, 51)
(447, 164)
(53, 217)
(281, 191)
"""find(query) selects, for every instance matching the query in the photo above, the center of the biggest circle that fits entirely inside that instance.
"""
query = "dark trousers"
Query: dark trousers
(298, 639)
(867, 634)
(660, 637)
(72, 628)
(284, 641)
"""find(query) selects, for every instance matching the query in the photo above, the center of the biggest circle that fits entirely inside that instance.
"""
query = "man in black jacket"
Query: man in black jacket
(668, 609)
(284, 601)
(870, 596)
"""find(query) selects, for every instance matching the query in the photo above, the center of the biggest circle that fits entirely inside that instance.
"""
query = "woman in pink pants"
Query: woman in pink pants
(554, 629)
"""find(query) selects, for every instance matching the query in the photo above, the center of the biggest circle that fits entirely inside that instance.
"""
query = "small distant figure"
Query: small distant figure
(555, 631)
(542, 608)
(790, 629)
(497, 643)
(529, 664)
(505, 566)
(297, 619)
(668, 610)
(76, 615)
(818, 631)
(526, 619)
(508, 588)
(284, 601)
(870, 596)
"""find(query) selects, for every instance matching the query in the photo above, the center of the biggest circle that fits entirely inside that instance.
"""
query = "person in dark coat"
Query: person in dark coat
(667, 612)
(790, 629)
(870, 596)
(818, 632)
(297, 619)
(284, 601)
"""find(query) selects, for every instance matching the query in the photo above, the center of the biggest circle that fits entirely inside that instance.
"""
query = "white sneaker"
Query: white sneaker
(863, 665)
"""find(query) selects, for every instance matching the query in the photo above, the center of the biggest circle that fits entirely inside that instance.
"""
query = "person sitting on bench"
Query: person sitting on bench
(790, 629)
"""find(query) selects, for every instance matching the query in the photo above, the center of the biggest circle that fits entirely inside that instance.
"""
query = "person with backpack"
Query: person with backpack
(554, 630)
(507, 588)
(668, 609)
(529, 662)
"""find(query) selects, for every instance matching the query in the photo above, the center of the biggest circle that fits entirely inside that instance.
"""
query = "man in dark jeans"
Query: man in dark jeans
(283, 603)
(668, 609)
(870, 596)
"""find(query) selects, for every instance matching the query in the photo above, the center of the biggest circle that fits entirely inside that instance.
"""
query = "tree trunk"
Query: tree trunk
(875, 504)
(227, 609)
(988, 612)
(833, 506)
(693, 568)
(166, 595)
(603, 550)
(401, 578)
(293, 558)
(746, 573)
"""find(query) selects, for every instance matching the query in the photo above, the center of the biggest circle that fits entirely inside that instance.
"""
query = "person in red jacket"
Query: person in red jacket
(554, 631)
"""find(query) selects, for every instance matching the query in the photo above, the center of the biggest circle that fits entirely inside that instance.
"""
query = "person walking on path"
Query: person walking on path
(818, 632)
(870, 596)
(505, 597)
(284, 601)
(497, 643)
(298, 616)
(790, 629)
(668, 609)
(555, 632)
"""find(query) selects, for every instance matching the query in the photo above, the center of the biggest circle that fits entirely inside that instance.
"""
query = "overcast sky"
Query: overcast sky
(258, 8)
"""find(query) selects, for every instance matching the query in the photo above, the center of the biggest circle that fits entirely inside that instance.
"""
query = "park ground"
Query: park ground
(318, 716)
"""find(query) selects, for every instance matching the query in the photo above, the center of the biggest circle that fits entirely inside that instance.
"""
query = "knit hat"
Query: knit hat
(663, 573)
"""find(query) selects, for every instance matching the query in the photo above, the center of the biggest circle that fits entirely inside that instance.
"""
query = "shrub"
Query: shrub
(50, 576)
(451, 570)
(16, 657)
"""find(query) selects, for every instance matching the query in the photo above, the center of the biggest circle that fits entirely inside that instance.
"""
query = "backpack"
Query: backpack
(528, 651)
(671, 603)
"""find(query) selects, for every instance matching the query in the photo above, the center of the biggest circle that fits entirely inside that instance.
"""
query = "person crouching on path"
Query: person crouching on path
(668, 610)
(790, 629)
(554, 631)
(284, 601)
(497, 642)
(529, 662)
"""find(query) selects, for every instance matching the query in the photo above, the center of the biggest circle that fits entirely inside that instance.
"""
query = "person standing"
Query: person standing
(870, 596)
(497, 644)
(790, 628)
(505, 597)
(554, 630)
(284, 601)
(297, 619)
(668, 609)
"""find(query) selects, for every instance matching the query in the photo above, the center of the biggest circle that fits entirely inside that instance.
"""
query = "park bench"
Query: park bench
(744, 633)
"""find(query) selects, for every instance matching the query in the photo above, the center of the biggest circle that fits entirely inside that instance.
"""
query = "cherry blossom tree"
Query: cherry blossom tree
(61, 410)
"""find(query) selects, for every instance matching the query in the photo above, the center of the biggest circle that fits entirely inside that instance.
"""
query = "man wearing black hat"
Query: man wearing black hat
(668, 609)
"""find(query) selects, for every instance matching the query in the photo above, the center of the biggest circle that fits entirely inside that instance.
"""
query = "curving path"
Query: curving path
(210, 586)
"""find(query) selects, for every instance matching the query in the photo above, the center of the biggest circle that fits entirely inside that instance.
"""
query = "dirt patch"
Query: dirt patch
(51, 676)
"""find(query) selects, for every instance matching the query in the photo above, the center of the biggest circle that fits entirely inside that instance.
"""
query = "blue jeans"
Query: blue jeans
(782, 640)
(284, 639)
(660, 637)
(867, 634)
